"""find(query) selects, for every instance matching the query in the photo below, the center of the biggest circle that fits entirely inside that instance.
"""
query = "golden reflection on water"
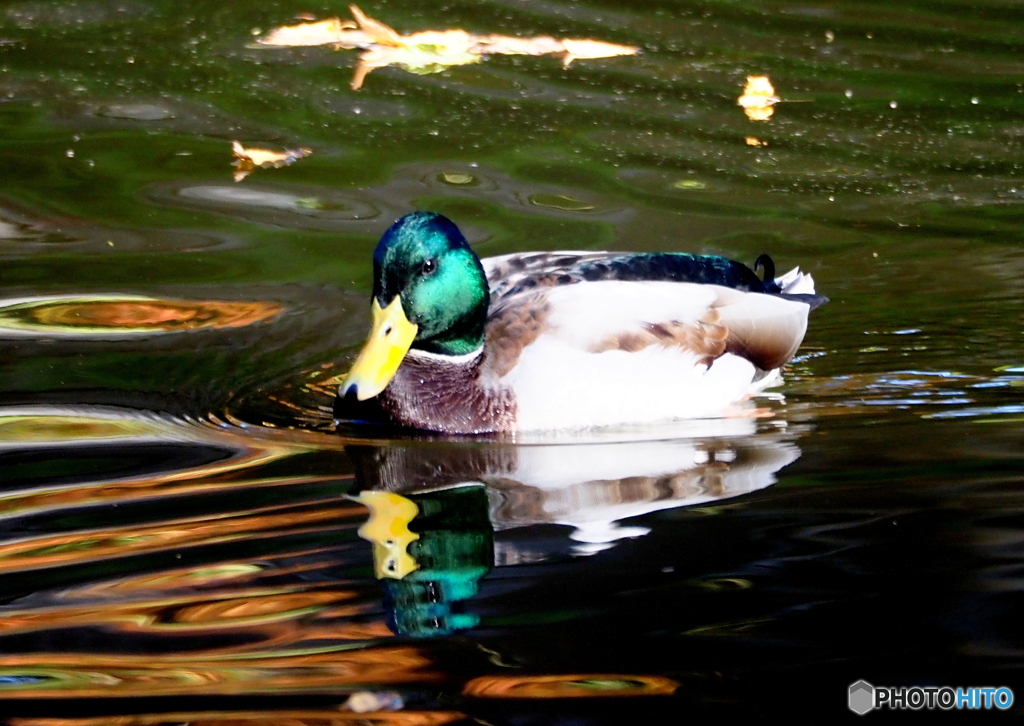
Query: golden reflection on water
(74, 429)
(570, 685)
(230, 625)
(242, 572)
(133, 539)
(97, 315)
(296, 717)
(33, 427)
(88, 675)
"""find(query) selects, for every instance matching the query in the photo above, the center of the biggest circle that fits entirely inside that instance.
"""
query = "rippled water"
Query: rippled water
(185, 537)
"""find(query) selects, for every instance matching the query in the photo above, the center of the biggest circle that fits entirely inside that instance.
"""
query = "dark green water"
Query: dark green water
(176, 539)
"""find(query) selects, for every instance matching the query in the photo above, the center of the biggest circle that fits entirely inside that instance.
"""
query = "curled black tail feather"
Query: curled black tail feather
(767, 264)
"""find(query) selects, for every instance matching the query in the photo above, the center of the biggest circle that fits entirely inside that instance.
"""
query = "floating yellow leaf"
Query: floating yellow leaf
(586, 49)
(376, 30)
(248, 159)
(422, 53)
(758, 98)
(754, 141)
(507, 45)
(429, 51)
(334, 31)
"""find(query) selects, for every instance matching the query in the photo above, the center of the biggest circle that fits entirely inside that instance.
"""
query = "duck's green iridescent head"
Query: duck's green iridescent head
(424, 259)
(429, 293)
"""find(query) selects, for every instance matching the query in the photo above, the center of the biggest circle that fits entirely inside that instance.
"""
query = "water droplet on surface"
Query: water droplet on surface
(459, 178)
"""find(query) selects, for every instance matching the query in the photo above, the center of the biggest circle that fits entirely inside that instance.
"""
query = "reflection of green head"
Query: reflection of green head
(454, 550)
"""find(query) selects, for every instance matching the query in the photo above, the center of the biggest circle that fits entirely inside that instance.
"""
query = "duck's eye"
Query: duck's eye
(428, 266)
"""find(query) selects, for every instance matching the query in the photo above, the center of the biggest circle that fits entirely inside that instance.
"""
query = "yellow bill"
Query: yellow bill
(389, 341)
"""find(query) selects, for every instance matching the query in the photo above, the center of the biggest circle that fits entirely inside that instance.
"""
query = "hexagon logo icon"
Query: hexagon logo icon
(862, 697)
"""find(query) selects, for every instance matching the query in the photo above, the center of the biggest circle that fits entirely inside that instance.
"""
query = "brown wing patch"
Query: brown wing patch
(510, 329)
(705, 337)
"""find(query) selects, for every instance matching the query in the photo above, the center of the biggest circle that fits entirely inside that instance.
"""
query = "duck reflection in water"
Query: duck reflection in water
(428, 572)
(441, 514)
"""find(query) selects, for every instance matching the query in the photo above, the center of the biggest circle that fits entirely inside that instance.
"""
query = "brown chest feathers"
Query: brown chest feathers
(449, 397)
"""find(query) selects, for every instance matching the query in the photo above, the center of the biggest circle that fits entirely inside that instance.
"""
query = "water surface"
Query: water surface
(180, 519)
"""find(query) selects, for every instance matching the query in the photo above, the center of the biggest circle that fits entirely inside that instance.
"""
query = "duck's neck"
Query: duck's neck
(444, 393)
(446, 358)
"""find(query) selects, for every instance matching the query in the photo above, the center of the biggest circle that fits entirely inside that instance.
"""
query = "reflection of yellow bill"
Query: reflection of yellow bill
(388, 530)
(389, 341)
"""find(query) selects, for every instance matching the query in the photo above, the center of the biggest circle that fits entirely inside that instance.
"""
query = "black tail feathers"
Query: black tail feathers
(767, 264)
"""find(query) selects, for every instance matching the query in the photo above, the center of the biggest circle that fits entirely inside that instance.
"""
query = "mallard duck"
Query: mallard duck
(563, 340)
